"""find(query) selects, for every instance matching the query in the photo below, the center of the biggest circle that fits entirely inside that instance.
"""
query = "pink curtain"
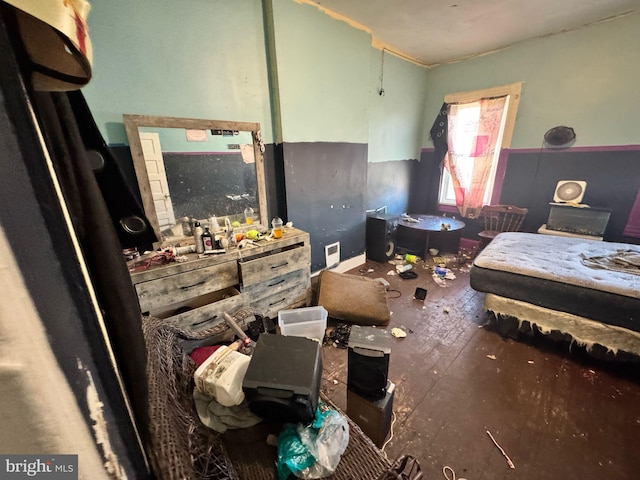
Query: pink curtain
(473, 131)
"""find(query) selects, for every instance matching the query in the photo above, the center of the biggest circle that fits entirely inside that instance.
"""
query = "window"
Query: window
(466, 109)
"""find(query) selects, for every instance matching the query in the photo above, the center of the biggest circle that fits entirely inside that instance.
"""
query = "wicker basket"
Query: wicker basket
(182, 447)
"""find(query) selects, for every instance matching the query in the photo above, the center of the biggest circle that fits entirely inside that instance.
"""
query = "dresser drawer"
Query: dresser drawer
(258, 270)
(181, 287)
(207, 311)
(275, 285)
(293, 297)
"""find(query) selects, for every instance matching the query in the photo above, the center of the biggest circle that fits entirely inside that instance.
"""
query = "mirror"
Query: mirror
(196, 169)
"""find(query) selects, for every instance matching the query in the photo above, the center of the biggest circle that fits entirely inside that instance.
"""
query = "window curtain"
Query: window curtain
(472, 142)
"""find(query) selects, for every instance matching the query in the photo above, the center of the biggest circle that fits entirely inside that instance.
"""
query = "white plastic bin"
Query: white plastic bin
(310, 322)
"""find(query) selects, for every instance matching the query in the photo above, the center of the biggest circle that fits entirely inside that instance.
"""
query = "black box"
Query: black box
(368, 361)
(380, 236)
(373, 417)
(579, 220)
(282, 382)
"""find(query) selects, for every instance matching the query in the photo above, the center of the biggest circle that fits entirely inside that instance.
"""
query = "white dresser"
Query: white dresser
(270, 276)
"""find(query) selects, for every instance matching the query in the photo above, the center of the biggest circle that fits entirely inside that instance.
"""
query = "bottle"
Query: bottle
(228, 230)
(197, 236)
(248, 215)
(410, 258)
(207, 240)
(278, 229)
(186, 227)
(213, 224)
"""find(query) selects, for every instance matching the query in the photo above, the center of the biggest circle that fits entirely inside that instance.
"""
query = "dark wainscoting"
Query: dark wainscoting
(391, 184)
(612, 176)
(325, 191)
(426, 182)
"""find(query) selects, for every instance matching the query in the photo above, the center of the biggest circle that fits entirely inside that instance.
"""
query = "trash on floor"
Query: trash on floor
(408, 275)
(398, 332)
(338, 336)
(440, 281)
(420, 293)
(492, 357)
(511, 465)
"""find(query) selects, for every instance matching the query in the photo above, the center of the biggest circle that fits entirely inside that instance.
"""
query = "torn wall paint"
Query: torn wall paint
(111, 462)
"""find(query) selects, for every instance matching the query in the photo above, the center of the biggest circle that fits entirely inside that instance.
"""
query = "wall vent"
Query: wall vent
(332, 255)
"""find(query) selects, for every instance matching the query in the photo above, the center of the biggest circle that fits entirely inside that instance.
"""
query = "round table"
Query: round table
(430, 224)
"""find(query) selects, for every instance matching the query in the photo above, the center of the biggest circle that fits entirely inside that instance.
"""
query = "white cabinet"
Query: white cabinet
(269, 276)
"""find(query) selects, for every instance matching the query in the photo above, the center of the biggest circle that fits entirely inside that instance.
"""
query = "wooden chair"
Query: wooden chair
(498, 219)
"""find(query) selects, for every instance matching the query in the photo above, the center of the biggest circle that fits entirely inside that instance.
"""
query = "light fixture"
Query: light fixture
(559, 137)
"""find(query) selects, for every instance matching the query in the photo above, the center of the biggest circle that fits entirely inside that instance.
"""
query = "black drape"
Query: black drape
(125, 208)
(100, 244)
(439, 131)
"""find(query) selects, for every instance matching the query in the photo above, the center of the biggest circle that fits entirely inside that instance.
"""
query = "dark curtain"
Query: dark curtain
(439, 133)
(99, 242)
(125, 208)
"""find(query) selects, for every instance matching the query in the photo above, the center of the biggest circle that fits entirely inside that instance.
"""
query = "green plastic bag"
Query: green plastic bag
(313, 451)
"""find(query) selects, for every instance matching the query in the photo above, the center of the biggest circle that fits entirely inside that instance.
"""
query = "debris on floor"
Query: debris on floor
(398, 332)
(338, 336)
(441, 282)
(511, 465)
(492, 357)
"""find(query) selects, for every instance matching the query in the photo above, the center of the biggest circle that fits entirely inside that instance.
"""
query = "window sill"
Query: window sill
(446, 208)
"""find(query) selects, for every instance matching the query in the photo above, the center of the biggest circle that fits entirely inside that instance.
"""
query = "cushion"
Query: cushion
(353, 298)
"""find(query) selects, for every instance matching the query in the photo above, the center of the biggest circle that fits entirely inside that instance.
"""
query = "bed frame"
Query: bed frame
(547, 284)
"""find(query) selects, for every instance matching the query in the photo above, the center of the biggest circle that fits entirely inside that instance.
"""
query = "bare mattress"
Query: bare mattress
(562, 282)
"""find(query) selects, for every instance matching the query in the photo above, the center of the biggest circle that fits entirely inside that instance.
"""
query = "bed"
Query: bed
(583, 290)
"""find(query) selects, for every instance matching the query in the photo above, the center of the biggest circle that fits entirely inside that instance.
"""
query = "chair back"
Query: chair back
(503, 218)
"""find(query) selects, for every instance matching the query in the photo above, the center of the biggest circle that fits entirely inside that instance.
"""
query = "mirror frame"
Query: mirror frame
(133, 122)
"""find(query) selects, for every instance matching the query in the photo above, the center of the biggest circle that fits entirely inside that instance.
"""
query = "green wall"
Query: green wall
(586, 79)
(396, 118)
(323, 72)
(212, 63)
(200, 59)
(329, 77)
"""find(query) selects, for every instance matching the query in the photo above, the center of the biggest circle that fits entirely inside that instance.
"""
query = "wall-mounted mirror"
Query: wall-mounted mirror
(196, 168)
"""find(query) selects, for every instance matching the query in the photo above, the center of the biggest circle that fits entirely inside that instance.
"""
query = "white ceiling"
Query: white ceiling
(441, 31)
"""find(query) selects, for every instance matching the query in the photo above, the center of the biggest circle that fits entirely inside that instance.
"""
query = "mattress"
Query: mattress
(548, 272)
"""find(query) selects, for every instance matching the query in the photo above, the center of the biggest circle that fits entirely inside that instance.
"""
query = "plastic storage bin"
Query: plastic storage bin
(310, 322)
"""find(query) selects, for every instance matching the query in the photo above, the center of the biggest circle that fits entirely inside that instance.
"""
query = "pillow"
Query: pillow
(353, 298)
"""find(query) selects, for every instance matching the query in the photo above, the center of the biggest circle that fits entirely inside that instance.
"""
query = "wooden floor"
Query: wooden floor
(557, 414)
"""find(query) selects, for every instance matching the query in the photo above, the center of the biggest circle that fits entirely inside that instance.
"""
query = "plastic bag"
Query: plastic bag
(313, 451)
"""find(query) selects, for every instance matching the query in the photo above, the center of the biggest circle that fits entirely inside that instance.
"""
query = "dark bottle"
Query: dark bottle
(207, 240)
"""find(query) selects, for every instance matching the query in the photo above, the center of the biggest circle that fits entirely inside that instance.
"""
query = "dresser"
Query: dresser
(269, 275)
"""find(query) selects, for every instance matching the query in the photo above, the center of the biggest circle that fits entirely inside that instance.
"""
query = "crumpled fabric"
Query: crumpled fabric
(627, 261)
(221, 418)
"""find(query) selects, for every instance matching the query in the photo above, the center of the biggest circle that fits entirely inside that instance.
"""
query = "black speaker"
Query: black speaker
(368, 361)
(381, 236)
(373, 417)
